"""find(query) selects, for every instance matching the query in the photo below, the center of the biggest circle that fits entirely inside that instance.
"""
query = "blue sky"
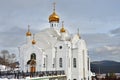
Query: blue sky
(98, 21)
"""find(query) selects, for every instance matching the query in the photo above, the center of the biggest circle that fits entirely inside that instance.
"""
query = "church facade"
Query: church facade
(55, 49)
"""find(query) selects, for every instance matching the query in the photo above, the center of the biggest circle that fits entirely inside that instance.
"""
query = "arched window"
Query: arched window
(88, 63)
(74, 63)
(60, 62)
(33, 56)
(74, 79)
(44, 62)
(52, 25)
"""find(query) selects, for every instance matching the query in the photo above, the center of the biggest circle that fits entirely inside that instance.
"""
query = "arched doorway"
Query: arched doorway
(32, 63)
(32, 66)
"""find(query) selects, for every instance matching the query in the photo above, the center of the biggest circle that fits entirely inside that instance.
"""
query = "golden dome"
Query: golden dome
(33, 42)
(54, 17)
(62, 29)
(28, 33)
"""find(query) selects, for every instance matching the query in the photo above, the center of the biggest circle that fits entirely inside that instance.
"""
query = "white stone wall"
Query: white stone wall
(52, 51)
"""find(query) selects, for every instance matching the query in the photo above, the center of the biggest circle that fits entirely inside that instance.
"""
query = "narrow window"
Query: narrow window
(88, 64)
(52, 25)
(53, 62)
(74, 63)
(69, 62)
(60, 62)
(44, 63)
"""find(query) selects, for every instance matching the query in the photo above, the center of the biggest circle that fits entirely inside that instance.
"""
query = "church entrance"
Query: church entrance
(33, 69)
(32, 63)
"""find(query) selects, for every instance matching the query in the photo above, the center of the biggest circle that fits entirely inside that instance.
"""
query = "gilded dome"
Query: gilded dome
(33, 42)
(28, 33)
(62, 29)
(53, 17)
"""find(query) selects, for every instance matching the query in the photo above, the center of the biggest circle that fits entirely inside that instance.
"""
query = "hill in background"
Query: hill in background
(105, 66)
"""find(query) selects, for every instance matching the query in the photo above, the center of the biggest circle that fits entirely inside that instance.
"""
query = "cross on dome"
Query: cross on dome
(28, 33)
(33, 41)
(62, 29)
(54, 17)
(54, 5)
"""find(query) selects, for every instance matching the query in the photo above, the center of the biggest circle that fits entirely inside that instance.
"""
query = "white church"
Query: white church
(55, 49)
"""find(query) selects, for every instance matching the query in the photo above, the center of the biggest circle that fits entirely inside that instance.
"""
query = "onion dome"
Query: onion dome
(33, 41)
(28, 33)
(54, 17)
(62, 29)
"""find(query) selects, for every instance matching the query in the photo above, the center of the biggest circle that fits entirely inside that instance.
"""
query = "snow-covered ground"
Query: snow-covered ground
(4, 68)
(9, 79)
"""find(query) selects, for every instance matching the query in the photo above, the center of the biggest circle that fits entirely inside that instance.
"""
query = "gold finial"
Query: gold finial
(62, 23)
(28, 33)
(78, 33)
(62, 29)
(54, 5)
(33, 41)
(28, 27)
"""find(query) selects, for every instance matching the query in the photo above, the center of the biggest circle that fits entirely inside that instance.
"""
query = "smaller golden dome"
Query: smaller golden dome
(33, 42)
(62, 29)
(28, 33)
(54, 17)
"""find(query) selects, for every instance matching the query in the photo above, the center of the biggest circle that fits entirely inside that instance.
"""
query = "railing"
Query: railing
(19, 75)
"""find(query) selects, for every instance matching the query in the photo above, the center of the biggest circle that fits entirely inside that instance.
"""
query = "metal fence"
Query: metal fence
(19, 75)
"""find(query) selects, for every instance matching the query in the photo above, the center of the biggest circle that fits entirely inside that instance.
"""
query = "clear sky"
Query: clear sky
(98, 21)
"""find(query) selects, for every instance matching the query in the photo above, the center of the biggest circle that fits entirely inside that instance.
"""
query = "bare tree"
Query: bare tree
(12, 57)
(7, 59)
(5, 55)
